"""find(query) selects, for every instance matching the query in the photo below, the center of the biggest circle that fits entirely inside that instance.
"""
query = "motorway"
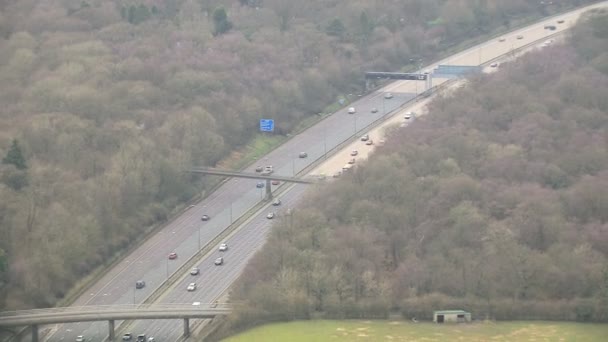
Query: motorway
(187, 233)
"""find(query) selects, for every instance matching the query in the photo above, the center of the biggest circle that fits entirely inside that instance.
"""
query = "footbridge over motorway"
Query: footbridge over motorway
(238, 174)
(110, 313)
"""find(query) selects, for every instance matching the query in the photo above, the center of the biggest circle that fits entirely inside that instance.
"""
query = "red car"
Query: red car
(275, 182)
(172, 256)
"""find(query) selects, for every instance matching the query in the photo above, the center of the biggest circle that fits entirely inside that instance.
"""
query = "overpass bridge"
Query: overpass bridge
(110, 313)
(238, 174)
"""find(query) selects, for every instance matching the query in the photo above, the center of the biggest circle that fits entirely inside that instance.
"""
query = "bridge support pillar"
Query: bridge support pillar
(186, 327)
(111, 330)
(268, 190)
(34, 328)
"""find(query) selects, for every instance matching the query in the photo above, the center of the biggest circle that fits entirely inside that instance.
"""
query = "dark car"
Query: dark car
(205, 218)
(259, 169)
(550, 27)
(127, 337)
(259, 185)
(140, 284)
(141, 338)
(303, 155)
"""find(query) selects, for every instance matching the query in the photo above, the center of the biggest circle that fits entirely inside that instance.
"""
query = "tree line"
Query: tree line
(109, 101)
(495, 202)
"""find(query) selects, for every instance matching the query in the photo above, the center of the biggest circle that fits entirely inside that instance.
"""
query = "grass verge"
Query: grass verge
(337, 331)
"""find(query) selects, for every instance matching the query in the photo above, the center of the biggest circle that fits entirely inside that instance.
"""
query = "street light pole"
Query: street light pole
(167, 268)
(199, 237)
(230, 212)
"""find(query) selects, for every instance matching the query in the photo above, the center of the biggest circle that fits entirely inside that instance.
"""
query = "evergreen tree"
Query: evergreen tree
(14, 156)
(220, 21)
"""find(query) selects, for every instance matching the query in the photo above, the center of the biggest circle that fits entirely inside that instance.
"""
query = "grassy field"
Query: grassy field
(319, 331)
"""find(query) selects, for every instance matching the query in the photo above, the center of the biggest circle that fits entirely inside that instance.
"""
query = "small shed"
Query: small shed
(451, 316)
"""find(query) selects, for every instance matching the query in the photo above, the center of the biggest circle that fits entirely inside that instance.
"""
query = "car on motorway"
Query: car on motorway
(127, 337)
(337, 174)
(351, 161)
(409, 115)
(351, 110)
(151, 339)
(270, 216)
(205, 218)
(369, 142)
(268, 170)
(354, 153)
(519, 36)
(259, 169)
(172, 256)
(303, 155)
(195, 271)
(223, 247)
(502, 39)
(275, 182)
(191, 287)
(374, 110)
(219, 261)
(561, 21)
(494, 65)
(365, 137)
(276, 202)
(259, 185)
(550, 27)
(140, 284)
(80, 338)
(141, 338)
(388, 96)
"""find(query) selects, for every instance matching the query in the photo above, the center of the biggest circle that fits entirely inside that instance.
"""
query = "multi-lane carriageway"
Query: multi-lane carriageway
(236, 196)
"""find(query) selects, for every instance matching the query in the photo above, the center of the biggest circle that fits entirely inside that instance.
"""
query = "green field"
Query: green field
(351, 330)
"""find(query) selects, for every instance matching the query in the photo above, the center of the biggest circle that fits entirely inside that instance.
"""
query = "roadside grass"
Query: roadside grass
(358, 330)
(258, 147)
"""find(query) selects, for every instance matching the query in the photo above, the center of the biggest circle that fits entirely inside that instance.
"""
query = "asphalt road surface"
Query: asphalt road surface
(186, 233)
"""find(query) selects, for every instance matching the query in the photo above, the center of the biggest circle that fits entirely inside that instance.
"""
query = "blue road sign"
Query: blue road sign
(266, 125)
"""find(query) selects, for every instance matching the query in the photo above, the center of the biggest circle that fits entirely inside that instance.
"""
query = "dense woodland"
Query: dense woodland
(495, 202)
(105, 102)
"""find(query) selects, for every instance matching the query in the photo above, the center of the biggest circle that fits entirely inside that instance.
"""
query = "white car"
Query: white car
(191, 287)
(80, 338)
(351, 110)
(502, 39)
(388, 96)
(494, 65)
(223, 247)
(270, 216)
(276, 202)
(520, 37)
(219, 261)
(408, 115)
(195, 271)
(354, 153)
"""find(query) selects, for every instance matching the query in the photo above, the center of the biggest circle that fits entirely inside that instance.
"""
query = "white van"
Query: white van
(351, 110)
